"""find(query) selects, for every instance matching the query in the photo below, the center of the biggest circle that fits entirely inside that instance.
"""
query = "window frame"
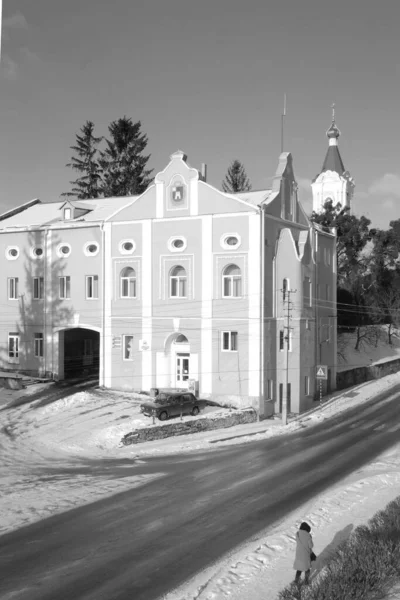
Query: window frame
(60, 253)
(13, 335)
(270, 389)
(86, 248)
(125, 336)
(38, 341)
(231, 335)
(127, 279)
(67, 287)
(232, 282)
(9, 256)
(12, 288)
(38, 294)
(94, 287)
(178, 280)
(281, 340)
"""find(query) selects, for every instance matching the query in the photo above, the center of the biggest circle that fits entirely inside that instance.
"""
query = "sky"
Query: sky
(207, 78)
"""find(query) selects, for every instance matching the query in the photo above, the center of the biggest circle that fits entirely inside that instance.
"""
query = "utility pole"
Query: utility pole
(286, 301)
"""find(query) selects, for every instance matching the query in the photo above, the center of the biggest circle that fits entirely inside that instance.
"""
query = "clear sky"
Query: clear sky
(208, 78)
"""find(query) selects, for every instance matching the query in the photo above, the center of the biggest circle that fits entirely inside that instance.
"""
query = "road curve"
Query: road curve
(144, 542)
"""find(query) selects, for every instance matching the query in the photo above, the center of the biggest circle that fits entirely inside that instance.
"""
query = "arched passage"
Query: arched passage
(78, 353)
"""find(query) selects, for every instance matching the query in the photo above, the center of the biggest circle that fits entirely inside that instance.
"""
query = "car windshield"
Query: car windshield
(161, 399)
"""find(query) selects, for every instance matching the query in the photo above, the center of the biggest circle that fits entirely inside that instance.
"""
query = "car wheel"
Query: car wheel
(195, 411)
(163, 416)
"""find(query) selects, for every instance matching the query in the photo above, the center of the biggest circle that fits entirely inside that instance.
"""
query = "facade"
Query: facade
(182, 286)
(333, 182)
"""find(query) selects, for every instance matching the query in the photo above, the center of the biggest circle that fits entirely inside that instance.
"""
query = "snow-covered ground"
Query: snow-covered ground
(375, 351)
(47, 446)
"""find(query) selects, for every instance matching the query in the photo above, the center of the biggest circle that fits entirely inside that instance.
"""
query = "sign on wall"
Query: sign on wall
(321, 371)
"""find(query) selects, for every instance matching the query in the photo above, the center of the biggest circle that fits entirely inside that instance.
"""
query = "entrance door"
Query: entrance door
(182, 370)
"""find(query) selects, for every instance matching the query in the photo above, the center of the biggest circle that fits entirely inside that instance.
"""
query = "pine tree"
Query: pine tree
(89, 184)
(236, 179)
(122, 163)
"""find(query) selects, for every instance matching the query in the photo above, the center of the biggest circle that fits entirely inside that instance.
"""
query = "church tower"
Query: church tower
(333, 182)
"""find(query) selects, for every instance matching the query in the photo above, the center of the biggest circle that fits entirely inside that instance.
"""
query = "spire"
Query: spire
(333, 160)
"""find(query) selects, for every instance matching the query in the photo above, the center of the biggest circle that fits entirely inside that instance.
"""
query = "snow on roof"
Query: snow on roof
(48, 213)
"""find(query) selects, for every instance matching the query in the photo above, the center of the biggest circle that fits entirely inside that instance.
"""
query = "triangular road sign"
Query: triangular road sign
(320, 372)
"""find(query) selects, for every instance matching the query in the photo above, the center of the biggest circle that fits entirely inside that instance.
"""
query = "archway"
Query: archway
(79, 353)
(174, 366)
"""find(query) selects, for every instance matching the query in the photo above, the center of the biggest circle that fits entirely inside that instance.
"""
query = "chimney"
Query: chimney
(204, 171)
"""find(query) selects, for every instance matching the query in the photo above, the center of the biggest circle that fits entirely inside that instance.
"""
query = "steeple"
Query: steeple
(333, 182)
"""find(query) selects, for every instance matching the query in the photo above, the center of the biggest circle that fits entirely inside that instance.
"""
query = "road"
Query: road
(144, 542)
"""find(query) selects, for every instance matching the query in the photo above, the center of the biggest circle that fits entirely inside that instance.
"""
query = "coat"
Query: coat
(304, 545)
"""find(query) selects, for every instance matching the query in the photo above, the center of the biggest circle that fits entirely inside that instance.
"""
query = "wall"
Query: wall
(345, 379)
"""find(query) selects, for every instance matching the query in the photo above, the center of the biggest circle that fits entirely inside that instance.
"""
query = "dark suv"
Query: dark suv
(171, 404)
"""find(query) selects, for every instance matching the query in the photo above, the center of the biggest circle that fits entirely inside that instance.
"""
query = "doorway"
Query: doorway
(182, 370)
(81, 353)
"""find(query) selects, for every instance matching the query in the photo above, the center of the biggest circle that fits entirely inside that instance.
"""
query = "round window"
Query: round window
(177, 243)
(64, 250)
(37, 252)
(12, 253)
(127, 247)
(231, 241)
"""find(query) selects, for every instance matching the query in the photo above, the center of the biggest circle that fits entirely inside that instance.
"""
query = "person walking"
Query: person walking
(304, 553)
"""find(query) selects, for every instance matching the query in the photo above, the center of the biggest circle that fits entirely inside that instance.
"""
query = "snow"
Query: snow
(368, 353)
(46, 442)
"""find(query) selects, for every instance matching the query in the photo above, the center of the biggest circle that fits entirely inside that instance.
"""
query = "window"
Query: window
(127, 346)
(67, 214)
(178, 282)
(92, 287)
(270, 389)
(39, 345)
(38, 288)
(91, 248)
(285, 288)
(177, 244)
(230, 241)
(13, 346)
(128, 283)
(65, 287)
(13, 288)
(307, 385)
(127, 247)
(308, 324)
(37, 252)
(307, 291)
(229, 341)
(12, 252)
(64, 250)
(232, 282)
(281, 340)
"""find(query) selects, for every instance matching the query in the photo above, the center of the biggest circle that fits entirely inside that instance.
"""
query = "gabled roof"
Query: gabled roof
(75, 204)
(42, 214)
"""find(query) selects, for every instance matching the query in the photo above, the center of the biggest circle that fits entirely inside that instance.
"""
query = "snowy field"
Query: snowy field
(376, 351)
(47, 446)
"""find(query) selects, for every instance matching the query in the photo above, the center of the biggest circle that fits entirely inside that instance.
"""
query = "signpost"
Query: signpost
(321, 373)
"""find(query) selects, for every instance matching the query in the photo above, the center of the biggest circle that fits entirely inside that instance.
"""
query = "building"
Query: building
(333, 182)
(181, 286)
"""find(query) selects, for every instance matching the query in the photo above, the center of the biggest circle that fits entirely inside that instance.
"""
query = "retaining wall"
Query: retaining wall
(345, 379)
(158, 432)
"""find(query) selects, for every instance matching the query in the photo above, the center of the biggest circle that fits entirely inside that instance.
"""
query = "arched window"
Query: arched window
(178, 282)
(232, 282)
(128, 283)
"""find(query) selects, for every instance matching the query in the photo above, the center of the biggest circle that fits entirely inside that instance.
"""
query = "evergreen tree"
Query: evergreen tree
(122, 162)
(236, 179)
(89, 184)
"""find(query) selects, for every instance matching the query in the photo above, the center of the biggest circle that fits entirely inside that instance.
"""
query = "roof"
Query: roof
(333, 161)
(255, 197)
(42, 214)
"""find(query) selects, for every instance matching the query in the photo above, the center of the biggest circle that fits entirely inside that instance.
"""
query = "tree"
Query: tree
(122, 163)
(89, 184)
(352, 232)
(236, 179)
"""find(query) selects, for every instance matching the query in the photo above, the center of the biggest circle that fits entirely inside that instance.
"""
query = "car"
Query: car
(171, 404)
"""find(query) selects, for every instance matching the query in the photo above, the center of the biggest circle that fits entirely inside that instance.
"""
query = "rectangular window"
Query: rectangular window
(128, 287)
(13, 345)
(13, 288)
(280, 396)
(38, 288)
(67, 214)
(229, 341)
(307, 385)
(65, 287)
(127, 347)
(281, 340)
(290, 340)
(39, 345)
(308, 324)
(92, 287)
(270, 389)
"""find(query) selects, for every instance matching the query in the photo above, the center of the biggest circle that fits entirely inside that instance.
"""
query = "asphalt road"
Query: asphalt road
(142, 543)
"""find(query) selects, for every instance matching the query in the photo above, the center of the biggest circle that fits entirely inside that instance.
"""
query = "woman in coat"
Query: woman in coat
(304, 546)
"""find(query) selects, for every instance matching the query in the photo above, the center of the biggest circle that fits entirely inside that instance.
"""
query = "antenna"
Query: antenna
(282, 120)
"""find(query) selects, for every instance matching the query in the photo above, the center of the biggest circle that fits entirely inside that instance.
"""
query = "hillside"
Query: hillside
(374, 348)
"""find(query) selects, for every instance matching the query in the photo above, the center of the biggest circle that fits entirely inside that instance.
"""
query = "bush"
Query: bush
(363, 568)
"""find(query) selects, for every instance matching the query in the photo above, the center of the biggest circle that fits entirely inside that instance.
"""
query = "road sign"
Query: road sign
(321, 372)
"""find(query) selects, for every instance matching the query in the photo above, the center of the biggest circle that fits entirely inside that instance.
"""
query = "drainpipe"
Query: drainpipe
(262, 324)
(103, 349)
(46, 237)
(317, 336)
